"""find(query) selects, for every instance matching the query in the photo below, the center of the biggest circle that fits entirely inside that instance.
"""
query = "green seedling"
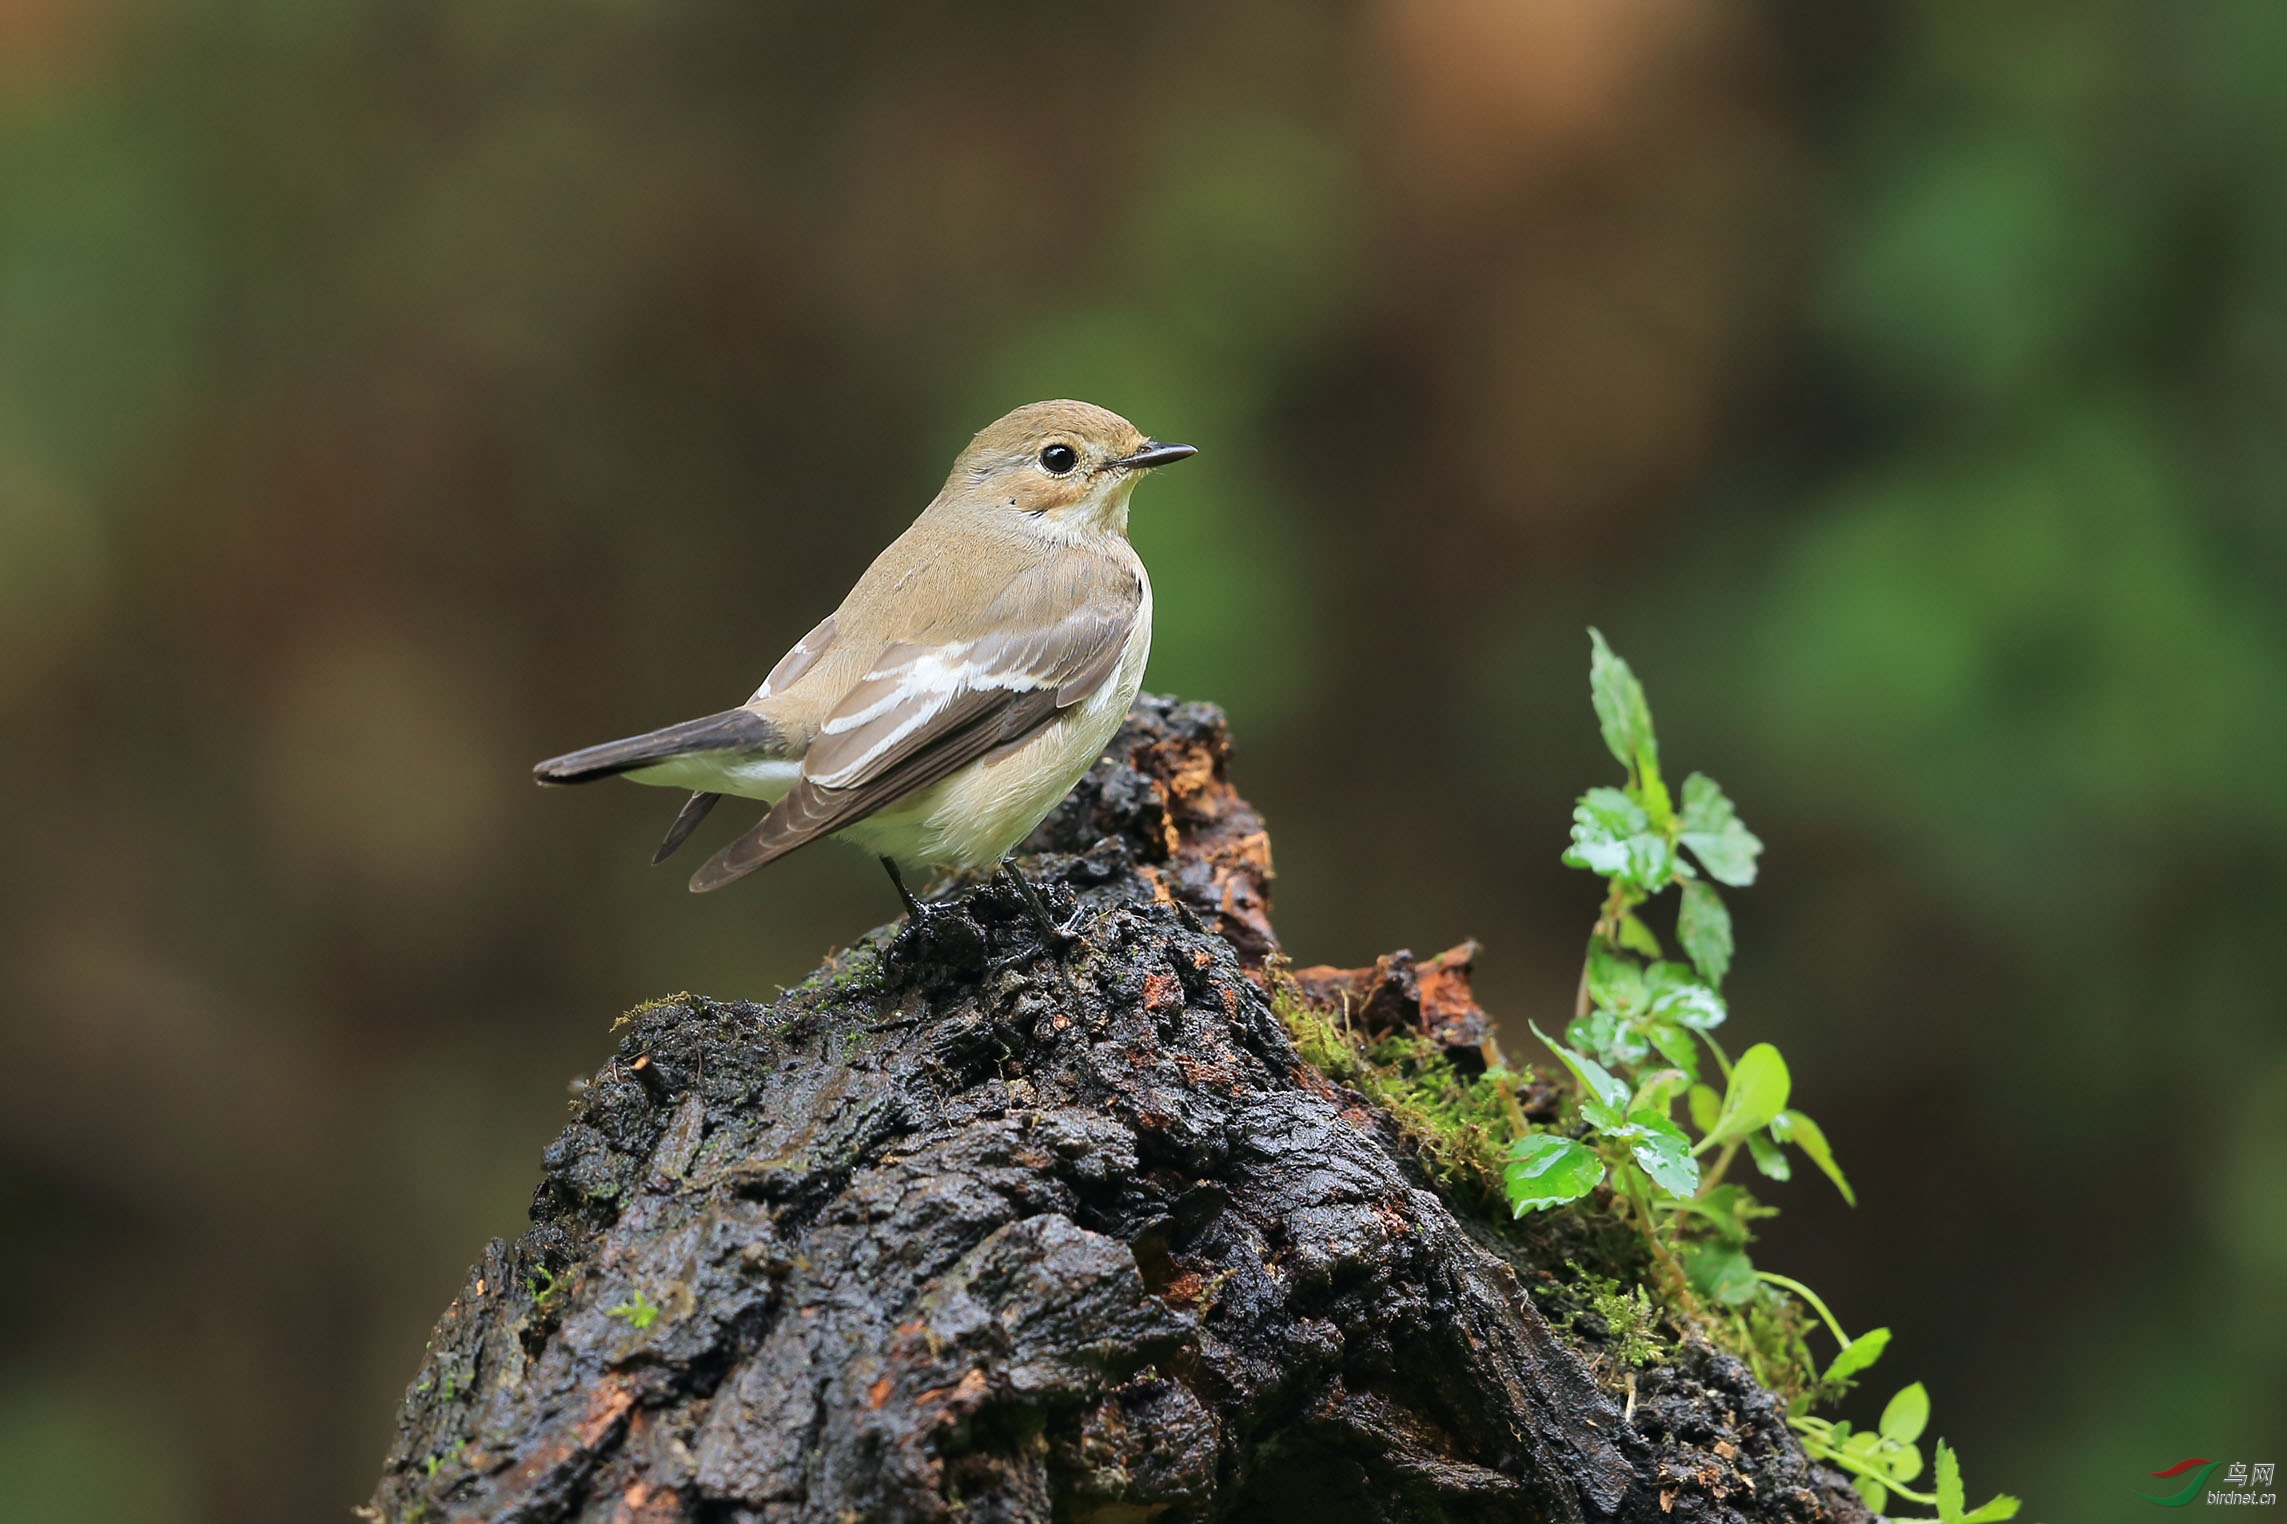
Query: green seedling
(1643, 1032)
(638, 1312)
(1641, 1038)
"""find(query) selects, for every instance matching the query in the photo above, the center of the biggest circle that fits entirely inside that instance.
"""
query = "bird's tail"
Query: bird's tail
(687, 820)
(732, 730)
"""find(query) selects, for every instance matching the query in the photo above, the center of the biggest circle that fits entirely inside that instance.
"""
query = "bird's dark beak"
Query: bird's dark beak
(1156, 454)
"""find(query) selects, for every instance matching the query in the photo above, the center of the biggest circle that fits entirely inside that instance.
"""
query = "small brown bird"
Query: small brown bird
(978, 668)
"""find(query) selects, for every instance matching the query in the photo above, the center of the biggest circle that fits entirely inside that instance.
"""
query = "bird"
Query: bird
(975, 672)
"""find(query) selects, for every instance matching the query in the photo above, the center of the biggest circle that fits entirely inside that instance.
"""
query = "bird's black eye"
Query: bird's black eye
(1059, 459)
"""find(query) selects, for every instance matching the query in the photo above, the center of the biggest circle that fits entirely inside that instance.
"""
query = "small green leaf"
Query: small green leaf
(1858, 1354)
(1727, 1209)
(1720, 1271)
(1609, 1120)
(1768, 1157)
(1691, 1004)
(1621, 710)
(1595, 1080)
(1546, 1170)
(1798, 1129)
(1906, 1416)
(1905, 1462)
(1605, 1037)
(1664, 1153)
(1703, 926)
(1676, 1047)
(637, 1310)
(1615, 980)
(1757, 1093)
(1666, 975)
(1637, 937)
(1871, 1492)
(1602, 819)
(1715, 834)
(1949, 1485)
(1657, 1090)
(1612, 836)
(1950, 1496)
(1706, 1105)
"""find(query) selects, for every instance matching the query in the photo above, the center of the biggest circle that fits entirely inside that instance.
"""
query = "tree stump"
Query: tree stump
(969, 1231)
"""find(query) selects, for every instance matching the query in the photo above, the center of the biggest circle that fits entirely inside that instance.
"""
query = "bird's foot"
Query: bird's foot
(925, 921)
(1055, 935)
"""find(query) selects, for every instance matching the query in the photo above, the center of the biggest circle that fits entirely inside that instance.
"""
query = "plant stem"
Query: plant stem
(1496, 1069)
(1820, 1449)
(1607, 927)
(1635, 1191)
(1747, 1343)
(1810, 1296)
(1713, 1177)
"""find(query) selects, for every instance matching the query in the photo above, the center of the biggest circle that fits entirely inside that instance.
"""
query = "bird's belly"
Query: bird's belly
(975, 816)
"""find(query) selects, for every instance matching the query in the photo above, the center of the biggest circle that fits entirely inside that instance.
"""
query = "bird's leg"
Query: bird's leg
(934, 932)
(912, 905)
(921, 917)
(1056, 937)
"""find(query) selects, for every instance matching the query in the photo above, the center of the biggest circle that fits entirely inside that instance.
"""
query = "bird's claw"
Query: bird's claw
(919, 934)
(1067, 931)
(1056, 936)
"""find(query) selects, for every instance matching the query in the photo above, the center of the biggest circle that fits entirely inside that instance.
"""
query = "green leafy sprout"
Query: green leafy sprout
(543, 1287)
(1642, 1039)
(1642, 1035)
(1642, 1032)
(1631, 1321)
(638, 1312)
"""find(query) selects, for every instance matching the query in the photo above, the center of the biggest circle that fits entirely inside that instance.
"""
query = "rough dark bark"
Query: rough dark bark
(962, 1231)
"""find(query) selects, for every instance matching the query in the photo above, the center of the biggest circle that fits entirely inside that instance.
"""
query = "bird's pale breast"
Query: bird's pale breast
(975, 816)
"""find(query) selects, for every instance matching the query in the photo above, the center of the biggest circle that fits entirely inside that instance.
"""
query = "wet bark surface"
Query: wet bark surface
(961, 1229)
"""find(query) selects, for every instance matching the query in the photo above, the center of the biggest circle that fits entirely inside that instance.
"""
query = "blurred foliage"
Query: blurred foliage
(77, 1457)
(395, 392)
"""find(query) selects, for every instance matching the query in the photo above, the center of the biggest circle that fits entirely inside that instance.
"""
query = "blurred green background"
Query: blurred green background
(395, 392)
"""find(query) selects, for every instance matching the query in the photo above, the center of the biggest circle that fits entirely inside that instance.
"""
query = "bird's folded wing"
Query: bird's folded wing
(923, 711)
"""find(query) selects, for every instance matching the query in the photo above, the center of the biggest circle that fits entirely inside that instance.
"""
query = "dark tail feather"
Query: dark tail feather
(759, 845)
(732, 730)
(686, 821)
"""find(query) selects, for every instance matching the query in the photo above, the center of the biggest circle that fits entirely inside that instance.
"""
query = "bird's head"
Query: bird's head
(1065, 468)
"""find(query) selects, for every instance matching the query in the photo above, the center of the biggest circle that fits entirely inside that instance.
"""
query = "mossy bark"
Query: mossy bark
(969, 1231)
